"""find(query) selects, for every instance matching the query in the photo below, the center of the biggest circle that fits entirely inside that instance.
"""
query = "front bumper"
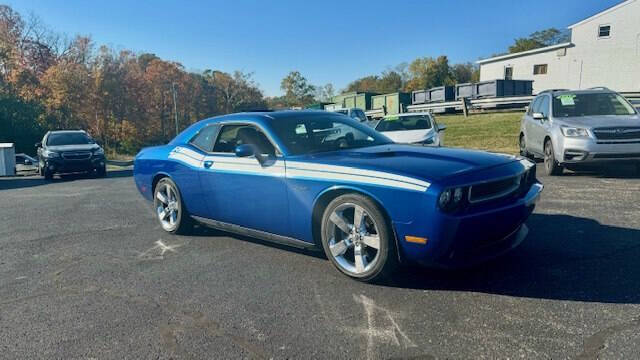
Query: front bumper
(467, 240)
(62, 166)
(588, 150)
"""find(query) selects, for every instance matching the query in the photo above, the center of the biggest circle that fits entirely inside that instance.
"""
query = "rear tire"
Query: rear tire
(170, 209)
(551, 166)
(357, 238)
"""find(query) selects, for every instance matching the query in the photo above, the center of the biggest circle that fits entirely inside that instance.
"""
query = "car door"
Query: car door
(528, 121)
(242, 190)
(539, 127)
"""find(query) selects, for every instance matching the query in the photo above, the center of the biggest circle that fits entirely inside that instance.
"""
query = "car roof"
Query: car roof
(406, 114)
(268, 116)
(598, 90)
(66, 131)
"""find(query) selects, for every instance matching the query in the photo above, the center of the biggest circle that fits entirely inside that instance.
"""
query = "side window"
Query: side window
(535, 106)
(544, 106)
(234, 135)
(205, 138)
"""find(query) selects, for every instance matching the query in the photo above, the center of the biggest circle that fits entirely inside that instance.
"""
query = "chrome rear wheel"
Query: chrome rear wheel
(169, 207)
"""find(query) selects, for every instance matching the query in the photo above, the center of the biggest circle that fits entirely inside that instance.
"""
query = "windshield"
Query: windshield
(569, 105)
(400, 123)
(71, 138)
(322, 134)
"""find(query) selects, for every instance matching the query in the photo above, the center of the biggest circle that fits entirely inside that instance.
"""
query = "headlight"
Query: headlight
(428, 141)
(98, 151)
(451, 199)
(574, 131)
(50, 154)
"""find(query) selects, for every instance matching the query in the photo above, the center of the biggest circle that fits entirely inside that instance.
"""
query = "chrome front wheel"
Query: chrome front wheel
(356, 237)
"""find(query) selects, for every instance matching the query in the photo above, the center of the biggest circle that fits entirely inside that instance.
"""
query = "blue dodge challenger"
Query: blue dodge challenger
(319, 179)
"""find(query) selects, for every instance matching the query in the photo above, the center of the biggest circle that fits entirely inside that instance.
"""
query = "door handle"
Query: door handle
(208, 163)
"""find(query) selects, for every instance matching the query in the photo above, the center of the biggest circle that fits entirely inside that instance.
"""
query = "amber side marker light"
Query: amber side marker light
(415, 239)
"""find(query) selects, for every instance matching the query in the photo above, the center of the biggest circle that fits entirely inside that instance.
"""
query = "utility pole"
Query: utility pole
(175, 106)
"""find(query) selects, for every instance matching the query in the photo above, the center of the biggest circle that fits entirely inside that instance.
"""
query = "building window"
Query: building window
(508, 73)
(539, 69)
(604, 31)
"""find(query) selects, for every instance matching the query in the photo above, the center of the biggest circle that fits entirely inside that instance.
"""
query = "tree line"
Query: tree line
(124, 99)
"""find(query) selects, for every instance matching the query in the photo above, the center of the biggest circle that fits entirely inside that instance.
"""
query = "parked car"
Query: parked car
(353, 113)
(70, 151)
(25, 163)
(368, 203)
(568, 128)
(411, 128)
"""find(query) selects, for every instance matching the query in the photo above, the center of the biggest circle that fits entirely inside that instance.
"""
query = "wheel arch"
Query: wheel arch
(156, 178)
(326, 196)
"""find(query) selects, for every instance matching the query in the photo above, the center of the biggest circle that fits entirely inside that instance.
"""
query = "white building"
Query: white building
(604, 51)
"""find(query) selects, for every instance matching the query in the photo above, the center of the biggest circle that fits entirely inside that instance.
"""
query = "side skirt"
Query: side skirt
(237, 229)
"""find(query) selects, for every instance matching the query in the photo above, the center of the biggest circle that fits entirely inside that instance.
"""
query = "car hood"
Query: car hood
(78, 147)
(422, 162)
(600, 121)
(408, 136)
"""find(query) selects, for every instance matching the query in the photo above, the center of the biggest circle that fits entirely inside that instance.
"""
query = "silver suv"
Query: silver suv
(572, 127)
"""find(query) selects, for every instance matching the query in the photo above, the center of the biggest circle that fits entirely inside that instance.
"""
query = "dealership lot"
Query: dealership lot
(86, 272)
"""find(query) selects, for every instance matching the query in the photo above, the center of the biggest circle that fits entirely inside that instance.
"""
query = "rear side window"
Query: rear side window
(205, 138)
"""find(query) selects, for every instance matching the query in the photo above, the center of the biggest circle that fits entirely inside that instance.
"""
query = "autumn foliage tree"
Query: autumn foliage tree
(123, 99)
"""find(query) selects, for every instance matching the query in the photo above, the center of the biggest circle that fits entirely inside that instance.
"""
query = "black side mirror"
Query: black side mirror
(38, 145)
(442, 128)
(27, 162)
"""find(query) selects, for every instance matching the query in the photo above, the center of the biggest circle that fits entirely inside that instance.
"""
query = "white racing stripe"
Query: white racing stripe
(296, 169)
(353, 178)
(355, 171)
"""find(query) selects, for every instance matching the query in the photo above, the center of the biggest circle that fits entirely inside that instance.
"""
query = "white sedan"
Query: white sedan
(411, 128)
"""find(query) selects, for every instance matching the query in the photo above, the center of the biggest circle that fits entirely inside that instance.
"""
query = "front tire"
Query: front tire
(523, 147)
(358, 239)
(551, 165)
(170, 209)
(48, 175)
(101, 172)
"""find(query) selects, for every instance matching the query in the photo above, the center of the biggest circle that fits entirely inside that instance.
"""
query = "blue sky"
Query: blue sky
(327, 41)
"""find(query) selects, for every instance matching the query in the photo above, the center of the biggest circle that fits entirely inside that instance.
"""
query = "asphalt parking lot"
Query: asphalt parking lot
(86, 272)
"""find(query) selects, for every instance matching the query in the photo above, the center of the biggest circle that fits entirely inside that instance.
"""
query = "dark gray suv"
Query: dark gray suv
(571, 127)
(70, 151)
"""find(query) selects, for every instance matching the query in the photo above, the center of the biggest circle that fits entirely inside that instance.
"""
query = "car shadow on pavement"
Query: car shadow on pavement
(563, 258)
(620, 171)
(16, 182)
(204, 231)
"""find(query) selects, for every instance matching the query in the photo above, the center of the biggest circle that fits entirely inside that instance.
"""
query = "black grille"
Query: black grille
(617, 133)
(493, 189)
(617, 156)
(76, 155)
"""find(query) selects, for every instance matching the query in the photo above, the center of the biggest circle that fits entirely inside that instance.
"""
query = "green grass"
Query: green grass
(496, 132)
